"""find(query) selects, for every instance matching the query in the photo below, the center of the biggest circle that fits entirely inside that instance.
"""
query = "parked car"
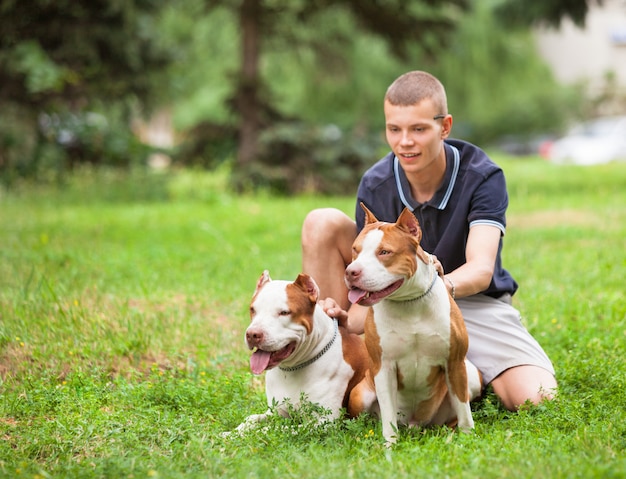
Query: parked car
(591, 143)
(523, 145)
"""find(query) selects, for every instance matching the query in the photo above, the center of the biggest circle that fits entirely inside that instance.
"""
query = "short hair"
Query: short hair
(413, 87)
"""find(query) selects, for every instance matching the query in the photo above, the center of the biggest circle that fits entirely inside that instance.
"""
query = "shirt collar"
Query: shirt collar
(442, 196)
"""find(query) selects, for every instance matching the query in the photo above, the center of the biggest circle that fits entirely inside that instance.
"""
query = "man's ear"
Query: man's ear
(446, 126)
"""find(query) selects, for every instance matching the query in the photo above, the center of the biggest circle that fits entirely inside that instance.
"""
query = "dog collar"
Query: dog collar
(317, 356)
(432, 283)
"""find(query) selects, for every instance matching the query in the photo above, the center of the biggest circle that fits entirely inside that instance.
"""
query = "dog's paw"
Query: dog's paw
(249, 423)
(466, 426)
(390, 442)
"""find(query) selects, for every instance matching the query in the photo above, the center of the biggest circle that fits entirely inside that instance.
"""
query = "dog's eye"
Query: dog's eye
(284, 312)
(384, 252)
(252, 311)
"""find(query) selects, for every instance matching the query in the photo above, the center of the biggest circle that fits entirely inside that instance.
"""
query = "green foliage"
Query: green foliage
(41, 73)
(18, 137)
(121, 334)
(335, 73)
(92, 137)
(296, 158)
(202, 78)
(323, 64)
(332, 73)
(63, 141)
(53, 52)
(200, 184)
(61, 62)
(551, 12)
(497, 85)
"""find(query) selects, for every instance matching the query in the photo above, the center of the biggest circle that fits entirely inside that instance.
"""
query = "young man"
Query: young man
(459, 197)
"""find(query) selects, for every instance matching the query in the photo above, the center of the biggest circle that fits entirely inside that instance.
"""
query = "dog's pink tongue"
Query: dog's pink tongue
(356, 295)
(259, 361)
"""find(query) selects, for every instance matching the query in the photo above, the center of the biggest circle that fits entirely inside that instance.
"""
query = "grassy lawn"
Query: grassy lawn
(123, 303)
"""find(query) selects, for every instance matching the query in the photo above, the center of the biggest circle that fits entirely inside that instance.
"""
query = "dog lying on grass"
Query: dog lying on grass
(304, 352)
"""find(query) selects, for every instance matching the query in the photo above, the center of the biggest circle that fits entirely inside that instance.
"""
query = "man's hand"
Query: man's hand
(438, 266)
(353, 319)
(332, 309)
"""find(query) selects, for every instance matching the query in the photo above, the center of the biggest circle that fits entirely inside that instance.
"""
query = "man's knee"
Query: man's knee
(326, 224)
(520, 384)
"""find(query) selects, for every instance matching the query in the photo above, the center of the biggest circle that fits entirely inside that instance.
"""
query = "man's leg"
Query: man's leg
(506, 354)
(327, 236)
(517, 385)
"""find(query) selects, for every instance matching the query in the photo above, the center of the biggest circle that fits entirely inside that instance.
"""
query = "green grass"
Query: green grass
(123, 303)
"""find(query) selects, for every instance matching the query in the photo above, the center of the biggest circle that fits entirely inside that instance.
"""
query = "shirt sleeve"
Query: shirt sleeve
(364, 195)
(377, 190)
(489, 202)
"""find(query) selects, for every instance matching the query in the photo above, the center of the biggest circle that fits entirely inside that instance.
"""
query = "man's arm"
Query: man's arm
(481, 252)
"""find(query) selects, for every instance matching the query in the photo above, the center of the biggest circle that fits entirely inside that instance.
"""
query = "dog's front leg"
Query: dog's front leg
(252, 420)
(387, 392)
(249, 423)
(456, 377)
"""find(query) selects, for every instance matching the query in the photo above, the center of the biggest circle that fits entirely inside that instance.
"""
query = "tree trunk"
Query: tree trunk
(247, 96)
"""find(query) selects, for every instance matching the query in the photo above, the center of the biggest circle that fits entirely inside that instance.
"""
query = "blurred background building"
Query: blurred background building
(595, 54)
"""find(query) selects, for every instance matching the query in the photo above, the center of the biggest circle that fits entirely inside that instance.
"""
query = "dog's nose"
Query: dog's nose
(254, 337)
(352, 272)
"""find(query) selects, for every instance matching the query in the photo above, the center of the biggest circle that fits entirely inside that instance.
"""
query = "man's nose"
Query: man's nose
(406, 139)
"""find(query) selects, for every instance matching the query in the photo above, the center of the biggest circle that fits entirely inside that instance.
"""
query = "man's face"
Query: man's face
(414, 135)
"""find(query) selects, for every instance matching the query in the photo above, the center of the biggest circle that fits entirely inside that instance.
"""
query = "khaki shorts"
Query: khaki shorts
(497, 338)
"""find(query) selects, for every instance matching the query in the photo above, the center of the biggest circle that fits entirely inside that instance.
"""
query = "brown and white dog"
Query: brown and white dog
(415, 333)
(304, 352)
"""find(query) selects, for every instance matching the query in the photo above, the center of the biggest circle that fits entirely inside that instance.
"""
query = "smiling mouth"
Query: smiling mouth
(409, 156)
(369, 298)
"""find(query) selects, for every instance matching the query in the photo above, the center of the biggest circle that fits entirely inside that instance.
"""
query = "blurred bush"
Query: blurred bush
(297, 157)
(294, 156)
(196, 184)
(60, 141)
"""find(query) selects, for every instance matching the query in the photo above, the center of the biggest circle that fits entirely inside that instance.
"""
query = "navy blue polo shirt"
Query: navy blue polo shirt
(473, 192)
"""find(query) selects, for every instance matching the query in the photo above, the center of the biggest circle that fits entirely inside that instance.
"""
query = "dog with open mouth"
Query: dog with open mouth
(414, 332)
(305, 353)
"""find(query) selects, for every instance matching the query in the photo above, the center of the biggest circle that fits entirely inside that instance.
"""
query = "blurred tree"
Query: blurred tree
(67, 55)
(265, 22)
(514, 12)
(269, 75)
(76, 51)
(506, 90)
(322, 35)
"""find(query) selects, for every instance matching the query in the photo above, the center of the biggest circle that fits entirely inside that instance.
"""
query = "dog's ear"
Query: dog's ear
(308, 285)
(409, 223)
(263, 280)
(369, 216)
